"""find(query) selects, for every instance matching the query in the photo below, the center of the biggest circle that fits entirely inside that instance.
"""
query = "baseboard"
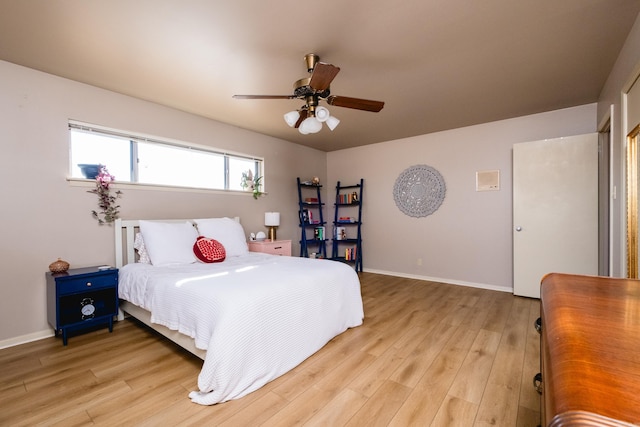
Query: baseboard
(23, 339)
(441, 280)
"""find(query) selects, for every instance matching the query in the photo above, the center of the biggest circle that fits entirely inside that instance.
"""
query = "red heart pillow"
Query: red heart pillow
(209, 250)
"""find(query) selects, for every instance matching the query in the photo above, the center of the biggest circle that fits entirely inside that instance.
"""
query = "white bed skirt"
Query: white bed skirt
(145, 317)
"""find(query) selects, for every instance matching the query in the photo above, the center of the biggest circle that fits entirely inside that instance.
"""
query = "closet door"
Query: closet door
(632, 188)
(555, 210)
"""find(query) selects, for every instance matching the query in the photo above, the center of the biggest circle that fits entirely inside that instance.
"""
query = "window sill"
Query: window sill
(90, 183)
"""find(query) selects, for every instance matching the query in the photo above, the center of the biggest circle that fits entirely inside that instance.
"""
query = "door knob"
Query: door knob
(518, 228)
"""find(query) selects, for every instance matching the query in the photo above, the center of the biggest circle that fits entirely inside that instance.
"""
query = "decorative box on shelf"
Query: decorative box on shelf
(274, 247)
(82, 298)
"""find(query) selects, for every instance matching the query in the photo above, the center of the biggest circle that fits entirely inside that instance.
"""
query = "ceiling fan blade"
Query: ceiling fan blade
(303, 115)
(323, 75)
(264, 97)
(357, 103)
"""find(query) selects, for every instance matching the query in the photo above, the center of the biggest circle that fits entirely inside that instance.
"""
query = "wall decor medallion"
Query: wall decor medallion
(419, 191)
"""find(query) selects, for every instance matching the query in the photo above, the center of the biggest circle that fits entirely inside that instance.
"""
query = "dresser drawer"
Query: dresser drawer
(77, 284)
(277, 247)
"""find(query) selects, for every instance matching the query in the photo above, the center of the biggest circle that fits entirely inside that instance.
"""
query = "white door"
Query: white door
(555, 210)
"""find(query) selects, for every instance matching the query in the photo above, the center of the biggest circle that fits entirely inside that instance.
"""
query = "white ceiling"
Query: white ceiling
(438, 64)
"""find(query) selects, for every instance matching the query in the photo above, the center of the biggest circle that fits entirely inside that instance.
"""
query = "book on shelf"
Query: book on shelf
(346, 219)
(307, 216)
(350, 254)
(347, 199)
(318, 233)
(311, 200)
(341, 233)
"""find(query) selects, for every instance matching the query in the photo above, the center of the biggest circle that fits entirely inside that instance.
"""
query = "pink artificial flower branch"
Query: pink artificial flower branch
(109, 210)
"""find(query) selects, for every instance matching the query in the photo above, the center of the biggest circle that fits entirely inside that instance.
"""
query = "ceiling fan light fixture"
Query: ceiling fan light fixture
(310, 125)
(291, 118)
(322, 114)
(332, 122)
(313, 89)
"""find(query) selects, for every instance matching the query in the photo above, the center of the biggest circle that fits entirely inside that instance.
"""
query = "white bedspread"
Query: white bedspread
(258, 316)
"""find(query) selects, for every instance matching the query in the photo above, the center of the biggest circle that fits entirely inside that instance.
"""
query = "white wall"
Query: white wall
(44, 217)
(468, 240)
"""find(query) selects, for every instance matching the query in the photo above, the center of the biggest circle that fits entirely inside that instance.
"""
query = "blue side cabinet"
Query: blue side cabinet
(81, 298)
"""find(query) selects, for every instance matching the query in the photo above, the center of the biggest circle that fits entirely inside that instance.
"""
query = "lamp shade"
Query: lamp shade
(272, 219)
(332, 122)
(291, 118)
(310, 125)
(302, 130)
(322, 114)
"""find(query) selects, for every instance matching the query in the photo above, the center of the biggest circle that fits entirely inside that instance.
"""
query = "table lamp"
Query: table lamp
(272, 220)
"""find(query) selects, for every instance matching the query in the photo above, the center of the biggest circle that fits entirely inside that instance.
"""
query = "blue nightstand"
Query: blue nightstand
(81, 298)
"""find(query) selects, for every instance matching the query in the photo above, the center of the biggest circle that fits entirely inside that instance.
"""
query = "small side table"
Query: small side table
(274, 247)
(81, 298)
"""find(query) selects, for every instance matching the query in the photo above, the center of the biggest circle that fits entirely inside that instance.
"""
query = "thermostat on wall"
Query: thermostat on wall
(488, 180)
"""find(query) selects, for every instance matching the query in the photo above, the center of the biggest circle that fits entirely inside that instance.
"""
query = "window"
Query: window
(139, 159)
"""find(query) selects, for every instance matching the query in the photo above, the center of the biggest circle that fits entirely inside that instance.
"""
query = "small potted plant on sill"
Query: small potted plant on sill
(248, 183)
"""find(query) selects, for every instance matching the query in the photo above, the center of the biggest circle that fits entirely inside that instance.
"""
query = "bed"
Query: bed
(250, 316)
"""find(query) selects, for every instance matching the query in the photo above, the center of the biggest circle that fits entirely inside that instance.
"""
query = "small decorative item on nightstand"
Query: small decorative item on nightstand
(59, 266)
(81, 298)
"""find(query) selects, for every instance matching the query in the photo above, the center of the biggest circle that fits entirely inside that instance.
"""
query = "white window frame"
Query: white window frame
(137, 137)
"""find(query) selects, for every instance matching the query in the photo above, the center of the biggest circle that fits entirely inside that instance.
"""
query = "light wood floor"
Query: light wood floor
(428, 354)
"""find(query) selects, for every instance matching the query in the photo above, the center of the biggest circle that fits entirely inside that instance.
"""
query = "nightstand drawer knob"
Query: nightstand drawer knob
(88, 283)
(278, 247)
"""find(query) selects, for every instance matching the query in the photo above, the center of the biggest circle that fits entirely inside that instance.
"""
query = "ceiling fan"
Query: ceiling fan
(309, 118)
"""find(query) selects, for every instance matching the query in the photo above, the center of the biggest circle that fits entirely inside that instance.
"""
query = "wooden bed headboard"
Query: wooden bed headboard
(125, 233)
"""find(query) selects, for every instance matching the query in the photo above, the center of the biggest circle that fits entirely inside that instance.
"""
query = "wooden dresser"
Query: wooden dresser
(590, 351)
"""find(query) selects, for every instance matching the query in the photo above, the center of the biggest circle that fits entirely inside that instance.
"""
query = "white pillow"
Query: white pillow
(169, 243)
(226, 231)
